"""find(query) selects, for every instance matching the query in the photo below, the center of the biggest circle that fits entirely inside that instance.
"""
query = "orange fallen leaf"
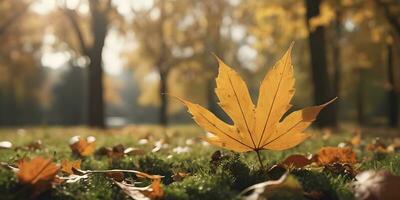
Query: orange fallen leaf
(377, 145)
(156, 191)
(66, 166)
(37, 174)
(83, 147)
(356, 139)
(329, 155)
(37, 169)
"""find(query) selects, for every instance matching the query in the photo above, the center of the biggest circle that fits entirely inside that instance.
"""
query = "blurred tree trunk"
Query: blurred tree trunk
(322, 89)
(360, 96)
(99, 29)
(163, 70)
(214, 14)
(337, 64)
(163, 100)
(99, 26)
(393, 106)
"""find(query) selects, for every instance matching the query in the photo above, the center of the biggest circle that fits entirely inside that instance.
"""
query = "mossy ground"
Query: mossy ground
(222, 179)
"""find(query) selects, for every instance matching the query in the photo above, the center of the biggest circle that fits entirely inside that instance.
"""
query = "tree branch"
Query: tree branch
(71, 15)
(10, 21)
(391, 18)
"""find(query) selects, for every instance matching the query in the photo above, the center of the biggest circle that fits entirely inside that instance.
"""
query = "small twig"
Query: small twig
(83, 172)
(259, 159)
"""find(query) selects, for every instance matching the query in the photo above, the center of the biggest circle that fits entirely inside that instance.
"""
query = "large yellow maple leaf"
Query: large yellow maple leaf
(256, 127)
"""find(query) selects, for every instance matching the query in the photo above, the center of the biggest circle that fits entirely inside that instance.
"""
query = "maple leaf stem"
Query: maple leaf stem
(259, 159)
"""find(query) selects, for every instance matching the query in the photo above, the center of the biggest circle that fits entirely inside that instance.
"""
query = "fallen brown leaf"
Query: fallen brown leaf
(134, 151)
(116, 176)
(36, 169)
(118, 151)
(297, 161)
(67, 166)
(330, 155)
(37, 175)
(377, 145)
(180, 176)
(31, 146)
(83, 147)
(337, 169)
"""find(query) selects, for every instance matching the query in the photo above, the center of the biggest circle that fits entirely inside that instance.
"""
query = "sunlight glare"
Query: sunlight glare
(72, 4)
(55, 60)
(43, 7)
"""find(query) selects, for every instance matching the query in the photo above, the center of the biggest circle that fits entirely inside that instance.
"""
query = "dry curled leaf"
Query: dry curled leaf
(264, 190)
(35, 145)
(116, 176)
(330, 155)
(118, 151)
(151, 192)
(115, 153)
(134, 151)
(68, 166)
(376, 185)
(297, 161)
(344, 170)
(256, 127)
(180, 176)
(83, 147)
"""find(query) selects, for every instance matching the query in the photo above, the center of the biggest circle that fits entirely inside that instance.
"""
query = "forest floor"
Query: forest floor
(191, 168)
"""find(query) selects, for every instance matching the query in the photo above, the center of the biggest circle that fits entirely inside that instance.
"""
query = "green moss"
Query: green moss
(156, 164)
(313, 181)
(202, 186)
(380, 161)
(224, 178)
(8, 183)
(96, 187)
